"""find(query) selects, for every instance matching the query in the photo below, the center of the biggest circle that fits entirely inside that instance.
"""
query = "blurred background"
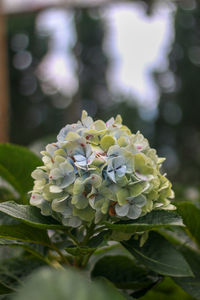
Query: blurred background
(137, 58)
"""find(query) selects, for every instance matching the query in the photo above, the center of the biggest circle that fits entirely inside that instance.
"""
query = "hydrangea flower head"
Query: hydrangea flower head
(98, 171)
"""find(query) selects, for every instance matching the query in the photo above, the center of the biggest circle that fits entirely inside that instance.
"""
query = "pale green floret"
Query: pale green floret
(86, 121)
(64, 207)
(83, 189)
(100, 198)
(106, 142)
(67, 129)
(138, 187)
(39, 201)
(41, 178)
(99, 171)
(62, 175)
(61, 205)
(140, 143)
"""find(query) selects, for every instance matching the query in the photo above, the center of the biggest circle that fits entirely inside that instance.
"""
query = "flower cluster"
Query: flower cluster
(99, 171)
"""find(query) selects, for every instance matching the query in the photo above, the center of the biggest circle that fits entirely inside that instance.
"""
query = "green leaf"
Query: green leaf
(166, 290)
(16, 166)
(13, 271)
(108, 284)
(24, 233)
(153, 220)
(7, 220)
(186, 246)
(191, 284)
(35, 249)
(159, 256)
(99, 239)
(30, 215)
(123, 272)
(191, 218)
(65, 285)
(79, 251)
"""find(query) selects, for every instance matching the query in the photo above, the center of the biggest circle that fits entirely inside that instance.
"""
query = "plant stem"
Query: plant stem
(82, 261)
(73, 238)
(63, 257)
(85, 260)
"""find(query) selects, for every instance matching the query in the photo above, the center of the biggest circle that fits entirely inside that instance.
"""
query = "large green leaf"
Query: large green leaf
(7, 220)
(24, 233)
(30, 215)
(186, 246)
(191, 218)
(159, 256)
(16, 165)
(191, 284)
(166, 290)
(153, 220)
(123, 272)
(65, 285)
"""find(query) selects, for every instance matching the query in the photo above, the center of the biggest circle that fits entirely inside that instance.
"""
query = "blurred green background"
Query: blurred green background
(60, 62)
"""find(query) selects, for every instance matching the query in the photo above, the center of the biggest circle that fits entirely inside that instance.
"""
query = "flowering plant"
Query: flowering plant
(99, 203)
(98, 171)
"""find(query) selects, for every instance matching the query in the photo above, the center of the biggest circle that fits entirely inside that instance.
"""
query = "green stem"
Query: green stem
(85, 260)
(82, 261)
(63, 257)
(73, 238)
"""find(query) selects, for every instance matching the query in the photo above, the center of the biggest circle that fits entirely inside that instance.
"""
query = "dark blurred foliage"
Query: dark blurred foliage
(32, 112)
(33, 115)
(133, 117)
(92, 61)
(178, 126)
(176, 133)
(93, 93)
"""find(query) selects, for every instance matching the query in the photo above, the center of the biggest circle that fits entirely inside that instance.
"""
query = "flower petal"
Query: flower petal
(134, 212)
(123, 210)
